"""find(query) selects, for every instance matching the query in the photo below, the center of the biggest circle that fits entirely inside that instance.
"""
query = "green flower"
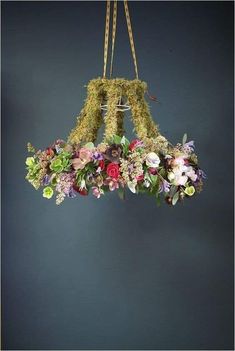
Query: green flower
(56, 165)
(190, 190)
(48, 192)
(30, 161)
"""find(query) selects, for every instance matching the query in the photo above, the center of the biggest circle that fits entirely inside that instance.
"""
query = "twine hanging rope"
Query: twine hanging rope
(114, 26)
(113, 35)
(128, 21)
(106, 37)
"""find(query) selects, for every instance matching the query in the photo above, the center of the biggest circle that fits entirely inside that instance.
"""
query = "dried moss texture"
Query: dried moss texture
(112, 94)
(90, 118)
(110, 91)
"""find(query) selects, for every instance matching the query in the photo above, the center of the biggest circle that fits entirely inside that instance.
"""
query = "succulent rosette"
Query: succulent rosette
(66, 170)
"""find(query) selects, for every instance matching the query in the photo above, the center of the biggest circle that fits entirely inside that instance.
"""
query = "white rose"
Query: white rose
(152, 160)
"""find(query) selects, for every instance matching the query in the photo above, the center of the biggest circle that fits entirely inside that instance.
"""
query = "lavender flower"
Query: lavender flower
(46, 180)
(201, 174)
(65, 183)
(72, 193)
(164, 186)
(97, 156)
(189, 147)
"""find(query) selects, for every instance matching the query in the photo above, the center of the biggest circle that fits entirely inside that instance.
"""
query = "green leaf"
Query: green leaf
(117, 139)
(173, 190)
(175, 198)
(64, 154)
(184, 139)
(89, 145)
(153, 179)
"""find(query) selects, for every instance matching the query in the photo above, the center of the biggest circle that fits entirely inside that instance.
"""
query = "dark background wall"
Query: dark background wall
(106, 274)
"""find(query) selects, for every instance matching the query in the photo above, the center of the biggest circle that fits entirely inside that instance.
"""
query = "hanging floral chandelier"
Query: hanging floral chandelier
(148, 164)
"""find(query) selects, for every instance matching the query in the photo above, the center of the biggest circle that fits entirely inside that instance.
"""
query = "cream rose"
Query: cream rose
(152, 160)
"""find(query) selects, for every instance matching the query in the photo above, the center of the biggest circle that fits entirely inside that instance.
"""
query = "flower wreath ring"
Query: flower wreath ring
(148, 164)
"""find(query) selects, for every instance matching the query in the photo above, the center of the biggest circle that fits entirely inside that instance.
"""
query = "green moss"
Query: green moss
(110, 91)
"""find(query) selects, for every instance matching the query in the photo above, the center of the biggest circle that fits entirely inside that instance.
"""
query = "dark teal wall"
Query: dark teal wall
(106, 274)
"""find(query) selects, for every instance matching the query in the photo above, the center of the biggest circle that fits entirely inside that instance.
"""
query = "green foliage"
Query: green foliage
(184, 139)
(61, 163)
(56, 165)
(175, 198)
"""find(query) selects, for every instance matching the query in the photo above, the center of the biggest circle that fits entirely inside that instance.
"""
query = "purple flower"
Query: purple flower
(97, 156)
(113, 153)
(72, 193)
(65, 183)
(164, 186)
(46, 180)
(189, 146)
(201, 174)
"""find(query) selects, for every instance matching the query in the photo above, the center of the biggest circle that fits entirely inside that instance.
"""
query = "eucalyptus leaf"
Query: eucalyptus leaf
(173, 190)
(184, 139)
(175, 198)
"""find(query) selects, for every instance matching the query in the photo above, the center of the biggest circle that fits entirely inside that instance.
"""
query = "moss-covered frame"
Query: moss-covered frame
(111, 91)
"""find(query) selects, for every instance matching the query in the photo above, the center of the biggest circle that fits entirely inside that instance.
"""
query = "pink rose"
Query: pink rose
(84, 157)
(85, 154)
(78, 163)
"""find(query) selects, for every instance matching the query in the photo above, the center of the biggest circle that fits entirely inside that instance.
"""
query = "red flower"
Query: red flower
(113, 170)
(49, 151)
(102, 165)
(134, 144)
(152, 171)
(140, 178)
(83, 191)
